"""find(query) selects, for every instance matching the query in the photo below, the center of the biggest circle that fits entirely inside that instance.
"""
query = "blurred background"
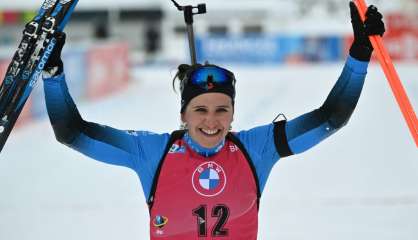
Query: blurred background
(120, 59)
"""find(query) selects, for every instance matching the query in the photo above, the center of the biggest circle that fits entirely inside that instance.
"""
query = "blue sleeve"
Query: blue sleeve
(138, 150)
(306, 131)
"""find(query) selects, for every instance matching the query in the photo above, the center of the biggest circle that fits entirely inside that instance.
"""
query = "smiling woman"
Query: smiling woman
(208, 118)
(205, 181)
(207, 102)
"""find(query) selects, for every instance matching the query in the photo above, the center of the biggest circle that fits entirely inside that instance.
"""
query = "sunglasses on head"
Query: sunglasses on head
(207, 77)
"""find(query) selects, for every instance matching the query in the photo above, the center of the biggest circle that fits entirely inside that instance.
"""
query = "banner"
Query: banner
(401, 39)
(238, 49)
(269, 49)
(10, 17)
(3, 68)
(91, 73)
(107, 69)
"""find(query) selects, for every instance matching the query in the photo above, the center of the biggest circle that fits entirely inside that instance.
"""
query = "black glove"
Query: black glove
(54, 65)
(361, 48)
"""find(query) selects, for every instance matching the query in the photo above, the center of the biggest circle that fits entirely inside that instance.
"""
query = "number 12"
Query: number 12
(219, 211)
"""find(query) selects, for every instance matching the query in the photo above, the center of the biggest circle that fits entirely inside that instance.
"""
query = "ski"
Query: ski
(27, 78)
(21, 56)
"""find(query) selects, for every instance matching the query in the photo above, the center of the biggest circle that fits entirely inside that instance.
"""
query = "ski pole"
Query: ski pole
(392, 76)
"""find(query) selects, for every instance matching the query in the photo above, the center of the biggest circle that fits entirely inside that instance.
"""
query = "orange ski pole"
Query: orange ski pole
(392, 77)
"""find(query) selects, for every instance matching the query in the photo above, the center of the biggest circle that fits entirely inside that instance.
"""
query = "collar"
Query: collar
(206, 152)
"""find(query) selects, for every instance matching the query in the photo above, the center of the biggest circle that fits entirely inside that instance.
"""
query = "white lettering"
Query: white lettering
(42, 63)
(233, 148)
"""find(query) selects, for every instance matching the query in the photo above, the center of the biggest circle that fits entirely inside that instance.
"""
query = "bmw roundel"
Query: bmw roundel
(209, 179)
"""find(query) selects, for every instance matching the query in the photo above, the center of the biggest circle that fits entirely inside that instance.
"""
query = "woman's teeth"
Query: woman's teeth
(210, 132)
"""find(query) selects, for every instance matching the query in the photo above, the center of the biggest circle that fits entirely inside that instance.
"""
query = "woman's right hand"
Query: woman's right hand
(54, 65)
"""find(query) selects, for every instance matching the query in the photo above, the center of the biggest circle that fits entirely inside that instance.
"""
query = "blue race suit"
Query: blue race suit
(142, 150)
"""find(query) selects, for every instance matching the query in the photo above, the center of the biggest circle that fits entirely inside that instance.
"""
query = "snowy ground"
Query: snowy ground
(362, 183)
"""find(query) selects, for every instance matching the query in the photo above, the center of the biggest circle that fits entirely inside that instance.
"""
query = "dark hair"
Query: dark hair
(182, 71)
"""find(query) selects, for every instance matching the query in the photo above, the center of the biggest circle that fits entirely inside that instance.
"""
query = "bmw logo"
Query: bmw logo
(209, 179)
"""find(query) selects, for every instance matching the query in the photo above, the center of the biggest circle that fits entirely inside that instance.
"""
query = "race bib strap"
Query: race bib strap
(176, 135)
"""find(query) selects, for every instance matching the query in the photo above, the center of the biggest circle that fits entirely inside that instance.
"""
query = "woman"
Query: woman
(219, 174)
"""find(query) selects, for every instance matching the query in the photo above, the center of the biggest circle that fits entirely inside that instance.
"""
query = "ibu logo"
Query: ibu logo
(160, 221)
(209, 179)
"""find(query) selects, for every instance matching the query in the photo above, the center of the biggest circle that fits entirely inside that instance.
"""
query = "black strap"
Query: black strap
(280, 139)
(176, 135)
(239, 144)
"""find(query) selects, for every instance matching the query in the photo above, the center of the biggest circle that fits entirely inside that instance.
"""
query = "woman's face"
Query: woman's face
(208, 118)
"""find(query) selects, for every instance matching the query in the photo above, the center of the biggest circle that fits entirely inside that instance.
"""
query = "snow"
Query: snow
(359, 184)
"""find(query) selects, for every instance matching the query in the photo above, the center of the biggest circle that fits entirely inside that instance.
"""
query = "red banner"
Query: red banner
(3, 69)
(108, 69)
(10, 17)
(401, 37)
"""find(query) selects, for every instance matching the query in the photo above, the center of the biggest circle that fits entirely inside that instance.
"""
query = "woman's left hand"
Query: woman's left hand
(361, 48)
